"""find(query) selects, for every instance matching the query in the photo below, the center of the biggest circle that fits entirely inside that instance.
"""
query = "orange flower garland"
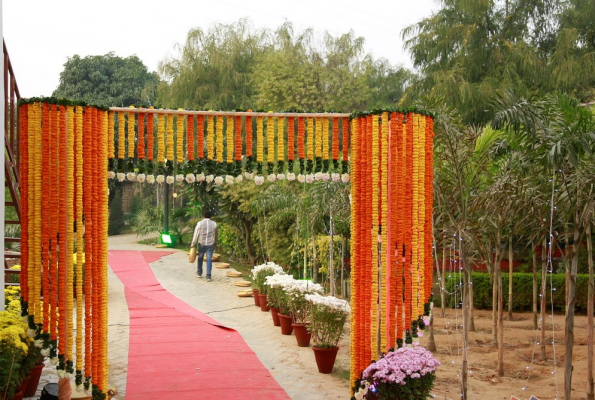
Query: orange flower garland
(229, 136)
(385, 268)
(355, 284)
(149, 136)
(140, 144)
(37, 192)
(375, 229)
(219, 136)
(24, 186)
(300, 138)
(335, 145)
(325, 138)
(238, 139)
(318, 134)
(190, 137)
(421, 214)
(345, 136)
(45, 208)
(429, 200)
(160, 138)
(249, 141)
(54, 192)
(200, 136)
(310, 139)
(408, 267)
(84, 169)
(210, 138)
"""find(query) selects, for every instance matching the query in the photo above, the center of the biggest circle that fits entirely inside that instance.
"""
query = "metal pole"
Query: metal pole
(166, 211)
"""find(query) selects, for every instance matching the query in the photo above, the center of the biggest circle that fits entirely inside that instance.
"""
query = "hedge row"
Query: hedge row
(522, 291)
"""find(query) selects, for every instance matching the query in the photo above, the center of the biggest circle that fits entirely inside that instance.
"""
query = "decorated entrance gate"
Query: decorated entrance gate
(70, 150)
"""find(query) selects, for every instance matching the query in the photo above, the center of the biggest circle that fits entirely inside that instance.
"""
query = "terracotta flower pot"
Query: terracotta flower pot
(325, 358)
(301, 334)
(256, 298)
(264, 304)
(35, 376)
(275, 315)
(286, 321)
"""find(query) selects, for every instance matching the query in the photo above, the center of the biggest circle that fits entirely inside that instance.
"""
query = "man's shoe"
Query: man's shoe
(198, 275)
(209, 279)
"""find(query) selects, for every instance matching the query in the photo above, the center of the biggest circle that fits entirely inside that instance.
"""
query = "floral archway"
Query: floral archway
(69, 150)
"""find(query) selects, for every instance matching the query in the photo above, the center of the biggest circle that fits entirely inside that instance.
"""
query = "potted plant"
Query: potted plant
(259, 274)
(299, 308)
(406, 373)
(327, 326)
(14, 345)
(275, 284)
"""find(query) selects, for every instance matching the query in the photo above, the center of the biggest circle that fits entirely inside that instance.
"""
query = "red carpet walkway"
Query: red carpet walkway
(177, 352)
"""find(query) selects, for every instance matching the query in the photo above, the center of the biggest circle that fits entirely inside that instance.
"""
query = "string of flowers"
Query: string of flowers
(385, 267)
(219, 136)
(74, 122)
(290, 143)
(280, 144)
(395, 225)
(210, 137)
(238, 146)
(355, 284)
(190, 137)
(31, 204)
(229, 136)
(310, 145)
(169, 138)
(140, 144)
(200, 136)
(271, 127)
(259, 143)
(37, 220)
(121, 136)
(335, 144)
(375, 228)
(179, 138)
(45, 208)
(160, 138)
(429, 208)
(416, 229)
(408, 212)
(131, 123)
(421, 266)
(102, 205)
(325, 149)
(318, 143)
(300, 143)
(24, 151)
(83, 153)
(64, 212)
(345, 149)
(54, 201)
(150, 131)
(111, 144)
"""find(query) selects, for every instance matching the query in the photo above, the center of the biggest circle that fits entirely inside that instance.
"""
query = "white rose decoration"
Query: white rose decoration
(120, 176)
(179, 178)
(219, 180)
(141, 178)
(309, 178)
(239, 178)
(111, 174)
(160, 179)
(210, 178)
(200, 177)
(229, 179)
(272, 178)
(151, 178)
(259, 180)
(336, 177)
(249, 175)
(280, 176)
(190, 178)
(291, 176)
(345, 178)
(131, 176)
(170, 179)
(301, 178)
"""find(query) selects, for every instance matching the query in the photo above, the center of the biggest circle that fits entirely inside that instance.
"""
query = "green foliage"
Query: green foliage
(323, 252)
(116, 215)
(522, 296)
(107, 80)
(231, 242)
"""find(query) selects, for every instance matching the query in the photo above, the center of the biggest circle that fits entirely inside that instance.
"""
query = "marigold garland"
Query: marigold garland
(271, 128)
(280, 141)
(140, 144)
(385, 268)
(325, 138)
(130, 124)
(200, 136)
(238, 139)
(210, 137)
(45, 208)
(249, 140)
(83, 207)
(355, 284)
(335, 143)
(229, 137)
(150, 130)
(179, 138)
(160, 138)
(169, 138)
(53, 216)
(345, 136)
(429, 203)
(259, 139)
(291, 139)
(375, 228)
(190, 137)
(35, 253)
(121, 136)
(24, 186)
(219, 137)
(111, 138)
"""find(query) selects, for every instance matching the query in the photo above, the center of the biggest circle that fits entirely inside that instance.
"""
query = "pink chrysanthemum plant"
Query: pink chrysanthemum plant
(406, 373)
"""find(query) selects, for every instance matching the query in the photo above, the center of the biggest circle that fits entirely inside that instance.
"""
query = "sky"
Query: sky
(40, 35)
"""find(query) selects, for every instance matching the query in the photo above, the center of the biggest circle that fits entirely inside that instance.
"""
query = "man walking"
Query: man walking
(206, 234)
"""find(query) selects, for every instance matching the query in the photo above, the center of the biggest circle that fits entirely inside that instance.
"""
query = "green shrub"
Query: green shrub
(116, 215)
(522, 291)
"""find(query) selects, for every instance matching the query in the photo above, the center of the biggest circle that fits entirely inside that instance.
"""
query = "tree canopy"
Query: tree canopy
(107, 80)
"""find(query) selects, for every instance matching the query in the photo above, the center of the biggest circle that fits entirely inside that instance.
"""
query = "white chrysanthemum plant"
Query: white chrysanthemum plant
(329, 315)
(260, 272)
(299, 307)
(275, 293)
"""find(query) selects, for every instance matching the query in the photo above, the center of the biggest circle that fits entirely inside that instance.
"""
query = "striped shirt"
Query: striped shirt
(204, 232)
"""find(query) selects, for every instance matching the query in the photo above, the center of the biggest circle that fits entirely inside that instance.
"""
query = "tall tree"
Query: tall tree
(106, 80)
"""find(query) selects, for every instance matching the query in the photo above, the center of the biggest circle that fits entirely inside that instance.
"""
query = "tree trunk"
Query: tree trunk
(443, 283)
(305, 273)
(590, 388)
(542, 306)
(510, 262)
(248, 242)
(314, 261)
(331, 269)
(500, 327)
(465, 361)
(495, 285)
(470, 288)
(569, 326)
(431, 341)
(534, 287)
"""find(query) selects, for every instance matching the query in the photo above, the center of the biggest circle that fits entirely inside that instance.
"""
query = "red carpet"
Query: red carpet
(177, 352)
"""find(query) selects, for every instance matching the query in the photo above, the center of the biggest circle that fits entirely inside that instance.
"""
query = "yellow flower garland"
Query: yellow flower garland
(318, 137)
(219, 140)
(355, 343)
(270, 132)
(38, 217)
(259, 139)
(229, 132)
(121, 136)
(160, 138)
(78, 139)
(131, 135)
(110, 139)
(180, 138)
(416, 229)
(210, 138)
(421, 134)
(325, 138)
(104, 210)
(169, 151)
(31, 140)
(280, 141)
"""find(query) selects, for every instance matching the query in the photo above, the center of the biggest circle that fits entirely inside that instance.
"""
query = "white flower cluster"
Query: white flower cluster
(160, 179)
(229, 179)
(131, 176)
(121, 176)
(218, 180)
(141, 178)
(111, 174)
(151, 179)
(190, 178)
(169, 179)
(298, 287)
(330, 302)
(259, 180)
(279, 280)
(270, 266)
(179, 178)
(272, 178)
